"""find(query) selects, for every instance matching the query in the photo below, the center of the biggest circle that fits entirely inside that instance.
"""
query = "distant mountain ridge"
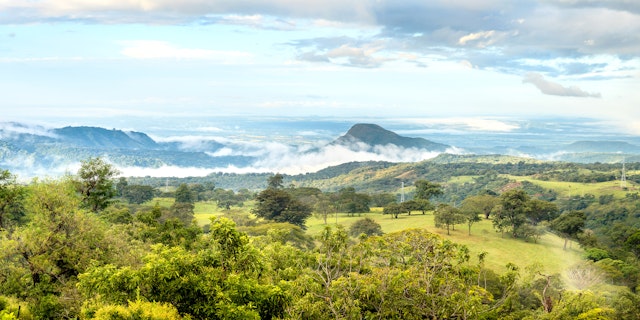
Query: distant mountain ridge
(374, 135)
(95, 137)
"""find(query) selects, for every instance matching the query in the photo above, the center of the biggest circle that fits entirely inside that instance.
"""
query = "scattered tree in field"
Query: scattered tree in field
(447, 216)
(366, 226)
(324, 207)
(96, 183)
(569, 225)
(481, 204)
(511, 212)
(352, 202)
(393, 209)
(469, 216)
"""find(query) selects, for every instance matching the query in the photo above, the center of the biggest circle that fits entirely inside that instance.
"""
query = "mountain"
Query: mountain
(374, 135)
(30, 150)
(100, 138)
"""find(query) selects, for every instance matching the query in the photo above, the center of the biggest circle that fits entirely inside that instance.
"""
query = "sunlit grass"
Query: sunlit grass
(501, 250)
(573, 189)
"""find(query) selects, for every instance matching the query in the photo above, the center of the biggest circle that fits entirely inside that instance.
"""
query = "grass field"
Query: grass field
(547, 252)
(572, 189)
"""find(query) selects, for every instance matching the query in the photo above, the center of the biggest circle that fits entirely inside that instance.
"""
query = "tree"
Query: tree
(511, 214)
(352, 202)
(324, 207)
(366, 226)
(569, 225)
(540, 210)
(425, 190)
(481, 204)
(393, 209)
(183, 194)
(137, 194)
(96, 183)
(470, 216)
(278, 205)
(447, 216)
(633, 243)
(11, 201)
(275, 181)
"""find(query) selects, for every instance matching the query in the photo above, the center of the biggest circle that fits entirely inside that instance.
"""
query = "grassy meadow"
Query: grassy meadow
(547, 252)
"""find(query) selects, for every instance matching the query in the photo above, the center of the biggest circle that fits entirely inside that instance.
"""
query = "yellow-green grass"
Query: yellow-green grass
(501, 249)
(572, 189)
(547, 252)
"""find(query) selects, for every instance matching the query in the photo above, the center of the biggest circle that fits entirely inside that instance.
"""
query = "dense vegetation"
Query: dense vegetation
(91, 246)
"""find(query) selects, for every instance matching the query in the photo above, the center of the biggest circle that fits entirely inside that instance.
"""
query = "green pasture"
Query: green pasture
(501, 249)
(547, 252)
(572, 189)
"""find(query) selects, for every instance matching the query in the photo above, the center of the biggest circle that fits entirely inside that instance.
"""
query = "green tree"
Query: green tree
(540, 210)
(633, 243)
(353, 202)
(11, 201)
(393, 209)
(324, 207)
(366, 226)
(512, 211)
(183, 194)
(275, 181)
(447, 216)
(96, 183)
(278, 205)
(481, 204)
(137, 194)
(426, 189)
(569, 225)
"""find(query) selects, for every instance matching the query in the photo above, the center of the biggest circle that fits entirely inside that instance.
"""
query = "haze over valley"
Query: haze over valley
(197, 147)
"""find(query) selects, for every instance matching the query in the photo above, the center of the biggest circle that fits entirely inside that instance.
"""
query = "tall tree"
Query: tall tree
(426, 189)
(447, 216)
(512, 212)
(278, 205)
(481, 204)
(569, 225)
(183, 194)
(11, 200)
(96, 183)
(275, 181)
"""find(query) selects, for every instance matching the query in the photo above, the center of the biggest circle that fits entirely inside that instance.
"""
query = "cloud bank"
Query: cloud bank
(555, 89)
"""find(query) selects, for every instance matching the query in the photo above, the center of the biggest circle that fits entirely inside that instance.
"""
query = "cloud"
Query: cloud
(555, 89)
(490, 34)
(461, 124)
(151, 49)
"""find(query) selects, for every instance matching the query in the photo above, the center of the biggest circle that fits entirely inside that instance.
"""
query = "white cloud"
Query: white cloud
(151, 49)
(466, 124)
(552, 88)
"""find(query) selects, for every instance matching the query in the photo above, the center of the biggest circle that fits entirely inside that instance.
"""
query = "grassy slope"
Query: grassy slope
(547, 252)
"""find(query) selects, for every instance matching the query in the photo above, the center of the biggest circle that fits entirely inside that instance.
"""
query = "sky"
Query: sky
(478, 59)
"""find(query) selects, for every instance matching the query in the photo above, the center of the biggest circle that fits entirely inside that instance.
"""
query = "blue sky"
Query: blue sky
(478, 59)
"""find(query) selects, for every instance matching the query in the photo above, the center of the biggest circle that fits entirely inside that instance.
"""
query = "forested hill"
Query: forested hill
(93, 137)
(374, 135)
(379, 176)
